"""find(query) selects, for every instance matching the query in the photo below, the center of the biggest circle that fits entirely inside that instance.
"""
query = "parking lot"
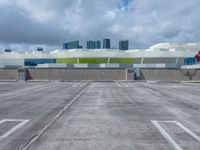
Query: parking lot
(99, 115)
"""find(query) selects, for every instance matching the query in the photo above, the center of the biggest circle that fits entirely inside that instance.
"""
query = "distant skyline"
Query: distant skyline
(28, 24)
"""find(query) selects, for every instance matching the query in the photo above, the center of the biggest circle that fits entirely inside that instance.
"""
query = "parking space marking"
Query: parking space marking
(18, 126)
(166, 135)
(82, 84)
(76, 84)
(54, 119)
(79, 84)
(195, 136)
(118, 84)
(169, 138)
(25, 90)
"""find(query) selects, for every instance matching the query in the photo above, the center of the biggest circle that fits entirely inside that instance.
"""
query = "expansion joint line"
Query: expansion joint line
(36, 136)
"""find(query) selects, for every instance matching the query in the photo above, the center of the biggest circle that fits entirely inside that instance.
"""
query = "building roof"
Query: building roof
(158, 50)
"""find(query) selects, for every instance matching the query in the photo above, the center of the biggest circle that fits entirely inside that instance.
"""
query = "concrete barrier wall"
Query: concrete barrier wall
(76, 74)
(170, 74)
(8, 74)
(100, 74)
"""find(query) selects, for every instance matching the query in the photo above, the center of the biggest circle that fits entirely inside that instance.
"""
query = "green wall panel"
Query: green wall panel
(121, 60)
(66, 61)
(93, 60)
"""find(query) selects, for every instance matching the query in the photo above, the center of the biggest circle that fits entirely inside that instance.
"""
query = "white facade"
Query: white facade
(160, 53)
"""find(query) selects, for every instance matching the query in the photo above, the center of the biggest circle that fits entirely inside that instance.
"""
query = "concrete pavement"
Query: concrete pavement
(104, 115)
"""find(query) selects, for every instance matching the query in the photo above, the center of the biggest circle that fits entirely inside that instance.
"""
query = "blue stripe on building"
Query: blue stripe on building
(35, 62)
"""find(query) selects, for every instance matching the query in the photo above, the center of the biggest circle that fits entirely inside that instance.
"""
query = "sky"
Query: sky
(28, 24)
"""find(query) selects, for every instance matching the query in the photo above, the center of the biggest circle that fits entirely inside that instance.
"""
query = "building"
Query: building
(123, 45)
(40, 49)
(8, 50)
(106, 44)
(98, 44)
(90, 44)
(164, 54)
(72, 45)
(93, 44)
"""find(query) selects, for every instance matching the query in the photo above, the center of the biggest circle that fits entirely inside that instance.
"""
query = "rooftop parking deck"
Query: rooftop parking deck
(100, 115)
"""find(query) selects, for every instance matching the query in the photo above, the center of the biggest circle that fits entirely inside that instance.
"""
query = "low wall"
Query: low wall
(170, 74)
(8, 74)
(98, 74)
(76, 74)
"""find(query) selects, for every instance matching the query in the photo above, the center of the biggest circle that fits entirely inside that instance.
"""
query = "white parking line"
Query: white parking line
(166, 135)
(118, 84)
(9, 132)
(79, 84)
(22, 91)
(54, 119)
(82, 84)
(169, 138)
(195, 136)
(76, 84)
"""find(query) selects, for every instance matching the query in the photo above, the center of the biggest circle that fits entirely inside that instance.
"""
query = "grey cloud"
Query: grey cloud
(143, 22)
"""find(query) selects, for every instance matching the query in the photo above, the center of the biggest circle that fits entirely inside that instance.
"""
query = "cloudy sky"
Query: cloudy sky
(27, 24)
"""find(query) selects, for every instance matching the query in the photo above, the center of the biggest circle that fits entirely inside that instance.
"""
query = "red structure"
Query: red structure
(198, 56)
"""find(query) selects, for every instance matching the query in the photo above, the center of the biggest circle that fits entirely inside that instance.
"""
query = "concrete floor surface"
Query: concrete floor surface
(99, 116)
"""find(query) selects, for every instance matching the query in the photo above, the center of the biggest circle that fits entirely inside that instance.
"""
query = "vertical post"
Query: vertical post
(177, 65)
(108, 60)
(78, 60)
(126, 74)
(142, 60)
(138, 73)
(177, 60)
